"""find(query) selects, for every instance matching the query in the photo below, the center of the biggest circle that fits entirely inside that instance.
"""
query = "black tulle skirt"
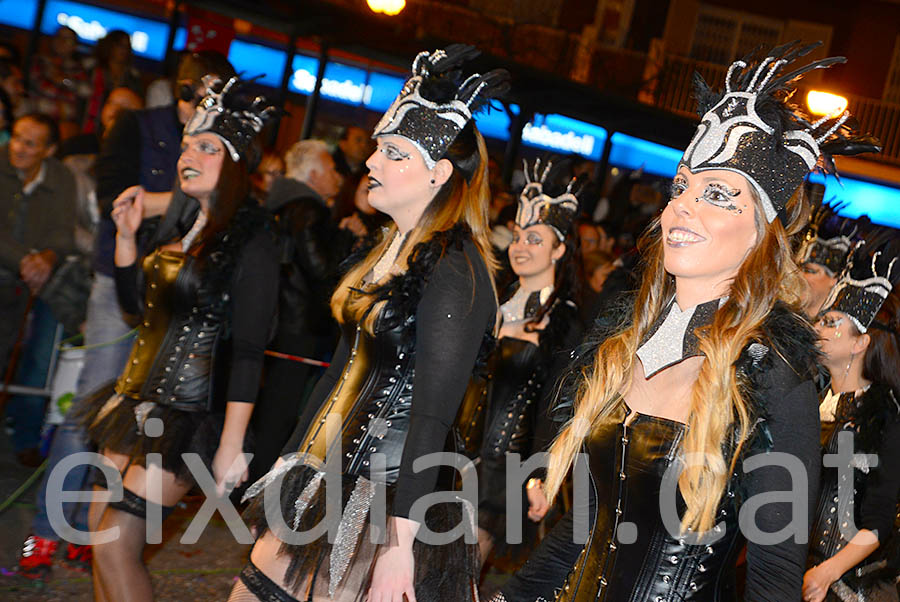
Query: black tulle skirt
(111, 421)
(342, 569)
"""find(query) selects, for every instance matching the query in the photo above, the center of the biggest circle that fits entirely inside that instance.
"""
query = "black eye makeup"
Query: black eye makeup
(677, 187)
(722, 196)
(393, 153)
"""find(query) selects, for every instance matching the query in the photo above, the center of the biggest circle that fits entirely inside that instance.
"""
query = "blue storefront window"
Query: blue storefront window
(636, 153)
(148, 37)
(565, 135)
(18, 13)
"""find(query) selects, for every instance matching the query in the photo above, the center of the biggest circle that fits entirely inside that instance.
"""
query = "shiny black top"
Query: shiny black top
(630, 554)
(416, 369)
(862, 493)
(191, 314)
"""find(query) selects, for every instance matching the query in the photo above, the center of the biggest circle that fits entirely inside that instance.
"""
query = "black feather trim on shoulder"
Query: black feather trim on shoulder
(226, 247)
(786, 335)
(404, 291)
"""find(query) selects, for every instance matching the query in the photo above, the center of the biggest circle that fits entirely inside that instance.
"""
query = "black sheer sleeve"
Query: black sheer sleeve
(456, 308)
(128, 290)
(775, 571)
(879, 504)
(546, 569)
(254, 297)
(319, 394)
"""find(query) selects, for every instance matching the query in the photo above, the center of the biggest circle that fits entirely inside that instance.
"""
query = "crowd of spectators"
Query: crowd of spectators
(76, 135)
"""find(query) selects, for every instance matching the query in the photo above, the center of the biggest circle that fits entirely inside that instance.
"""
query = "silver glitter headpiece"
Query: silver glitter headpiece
(864, 284)
(828, 252)
(752, 130)
(230, 115)
(537, 207)
(433, 107)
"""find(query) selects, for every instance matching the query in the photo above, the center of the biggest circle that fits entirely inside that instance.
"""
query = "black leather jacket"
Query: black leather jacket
(311, 248)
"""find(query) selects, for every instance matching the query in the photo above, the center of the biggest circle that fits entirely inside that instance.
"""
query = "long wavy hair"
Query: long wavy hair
(464, 198)
(719, 408)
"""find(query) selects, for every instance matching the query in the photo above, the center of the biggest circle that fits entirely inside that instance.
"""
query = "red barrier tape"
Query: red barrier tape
(297, 358)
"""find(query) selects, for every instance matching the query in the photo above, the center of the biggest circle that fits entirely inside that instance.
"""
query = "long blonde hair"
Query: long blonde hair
(464, 198)
(718, 408)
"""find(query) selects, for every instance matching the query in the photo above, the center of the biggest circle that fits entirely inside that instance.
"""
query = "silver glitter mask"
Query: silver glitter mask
(860, 294)
(733, 136)
(537, 207)
(430, 126)
(220, 112)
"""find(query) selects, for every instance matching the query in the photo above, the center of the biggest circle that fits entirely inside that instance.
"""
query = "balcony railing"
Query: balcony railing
(668, 85)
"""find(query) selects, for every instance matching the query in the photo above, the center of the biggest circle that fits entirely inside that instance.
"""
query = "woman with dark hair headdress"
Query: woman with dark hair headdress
(711, 364)
(206, 299)
(859, 333)
(538, 324)
(415, 313)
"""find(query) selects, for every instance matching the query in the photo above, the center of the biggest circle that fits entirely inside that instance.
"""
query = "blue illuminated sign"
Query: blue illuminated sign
(385, 89)
(342, 83)
(253, 60)
(494, 122)
(18, 13)
(565, 135)
(148, 37)
(881, 203)
(634, 153)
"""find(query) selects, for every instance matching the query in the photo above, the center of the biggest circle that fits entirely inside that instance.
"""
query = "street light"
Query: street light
(825, 103)
(388, 7)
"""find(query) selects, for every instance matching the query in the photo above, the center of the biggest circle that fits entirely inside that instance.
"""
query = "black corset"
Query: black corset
(644, 561)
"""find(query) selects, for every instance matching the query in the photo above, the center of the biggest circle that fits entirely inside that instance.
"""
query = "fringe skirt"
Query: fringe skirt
(339, 564)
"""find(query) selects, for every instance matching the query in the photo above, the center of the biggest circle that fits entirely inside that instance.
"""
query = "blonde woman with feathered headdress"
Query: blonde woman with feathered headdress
(711, 365)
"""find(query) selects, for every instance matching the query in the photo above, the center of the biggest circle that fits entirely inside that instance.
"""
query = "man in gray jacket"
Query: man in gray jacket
(37, 226)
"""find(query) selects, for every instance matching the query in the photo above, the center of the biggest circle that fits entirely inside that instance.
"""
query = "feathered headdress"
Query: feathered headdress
(230, 114)
(828, 237)
(435, 104)
(537, 207)
(751, 128)
(867, 279)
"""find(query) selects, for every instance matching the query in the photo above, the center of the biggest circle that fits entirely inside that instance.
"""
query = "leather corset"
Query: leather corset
(833, 514)
(373, 397)
(513, 393)
(171, 361)
(629, 554)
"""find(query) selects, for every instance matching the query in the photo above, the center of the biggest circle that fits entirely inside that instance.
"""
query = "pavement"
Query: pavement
(202, 571)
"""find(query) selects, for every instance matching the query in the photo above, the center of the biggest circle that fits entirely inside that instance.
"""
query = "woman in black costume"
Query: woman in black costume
(860, 341)
(712, 365)
(206, 298)
(414, 313)
(538, 326)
